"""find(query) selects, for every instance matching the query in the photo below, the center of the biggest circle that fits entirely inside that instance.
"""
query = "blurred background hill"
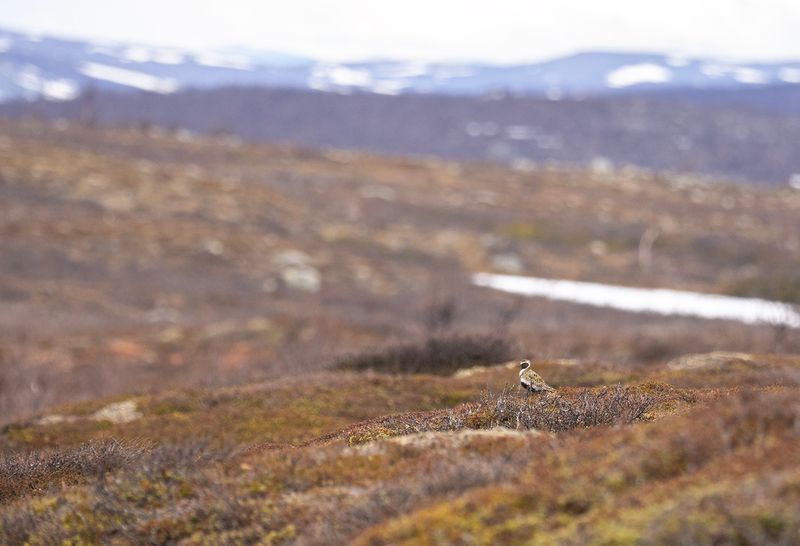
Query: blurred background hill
(136, 259)
(735, 120)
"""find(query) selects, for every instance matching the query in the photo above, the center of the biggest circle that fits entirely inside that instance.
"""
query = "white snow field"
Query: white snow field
(637, 74)
(129, 78)
(646, 300)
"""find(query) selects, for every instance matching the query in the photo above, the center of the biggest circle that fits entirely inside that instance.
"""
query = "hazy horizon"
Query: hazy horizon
(510, 32)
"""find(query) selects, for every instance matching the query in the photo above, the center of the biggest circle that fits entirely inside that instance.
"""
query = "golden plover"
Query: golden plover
(532, 381)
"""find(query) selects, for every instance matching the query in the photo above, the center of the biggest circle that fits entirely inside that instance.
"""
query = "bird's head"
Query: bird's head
(524, 365)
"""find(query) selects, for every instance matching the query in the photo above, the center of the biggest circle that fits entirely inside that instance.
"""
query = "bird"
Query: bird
(532, 381)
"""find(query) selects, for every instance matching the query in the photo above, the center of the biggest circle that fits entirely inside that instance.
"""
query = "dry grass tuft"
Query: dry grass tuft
(36, 472)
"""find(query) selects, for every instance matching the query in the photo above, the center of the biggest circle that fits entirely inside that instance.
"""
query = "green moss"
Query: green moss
(564, 236)
(495, 515)
(20, 434)
(521, 231)
(772, 524)
(370, 435)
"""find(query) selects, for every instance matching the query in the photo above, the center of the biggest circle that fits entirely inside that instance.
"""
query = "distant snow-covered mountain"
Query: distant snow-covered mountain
(56, 69)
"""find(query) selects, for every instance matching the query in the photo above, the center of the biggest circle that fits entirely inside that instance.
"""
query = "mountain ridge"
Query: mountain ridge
(60, 69)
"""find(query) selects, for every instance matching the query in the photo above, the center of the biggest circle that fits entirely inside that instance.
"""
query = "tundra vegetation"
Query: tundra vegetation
(206, 342)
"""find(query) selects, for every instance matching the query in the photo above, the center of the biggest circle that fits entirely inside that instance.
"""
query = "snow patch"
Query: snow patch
(104, 49)
(714, 70)
(141, 54)
(677, 61)
(448, 72)
(790, 75)
(389, 87)
(520, 132)
(222, 60)
(644, 300)
(405, 70)
(60, 89)
(317, 85)
(129, 78)
(742, 74)
(486, 128)
(752, 76)
(527, 133)
(341, 75)
(136, 54)
(635, 74)
(31, 79)
(168, 56)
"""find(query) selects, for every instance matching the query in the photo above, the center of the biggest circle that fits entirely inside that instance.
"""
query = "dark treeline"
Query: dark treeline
(735, 137)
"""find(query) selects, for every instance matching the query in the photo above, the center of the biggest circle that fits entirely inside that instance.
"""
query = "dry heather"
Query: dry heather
(512, 408)
(689, 479)
(35, 472)
(642, 462)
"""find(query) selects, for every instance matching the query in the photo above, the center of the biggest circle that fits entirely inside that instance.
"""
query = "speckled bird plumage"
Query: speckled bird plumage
(532, 381)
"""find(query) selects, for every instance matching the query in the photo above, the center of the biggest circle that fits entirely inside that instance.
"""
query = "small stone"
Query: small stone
(214, 247)
(119, 412)
(51, 419)
(508, 262)
(711, 361)
(305, 278)
(598, 248)
(289, 258)
(375, 191)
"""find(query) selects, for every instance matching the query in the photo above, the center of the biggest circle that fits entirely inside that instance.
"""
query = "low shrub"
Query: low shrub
(31, 473)
(435, 355)
(512, 408)
(587, 408)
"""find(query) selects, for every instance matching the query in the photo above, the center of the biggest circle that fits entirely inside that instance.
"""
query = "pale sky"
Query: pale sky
(503, 31)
